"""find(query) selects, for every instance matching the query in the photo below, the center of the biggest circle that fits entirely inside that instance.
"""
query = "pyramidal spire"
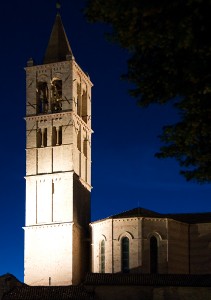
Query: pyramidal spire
(58, 48)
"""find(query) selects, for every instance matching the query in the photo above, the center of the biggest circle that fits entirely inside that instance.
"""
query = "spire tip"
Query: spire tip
(58, 5)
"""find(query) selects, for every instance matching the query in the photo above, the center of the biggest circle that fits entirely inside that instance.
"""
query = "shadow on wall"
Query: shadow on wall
(200, 249)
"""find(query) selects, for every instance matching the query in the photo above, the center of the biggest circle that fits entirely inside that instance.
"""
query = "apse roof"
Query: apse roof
(190, 218)
(58, 46)
(48, 292)
(137, 212)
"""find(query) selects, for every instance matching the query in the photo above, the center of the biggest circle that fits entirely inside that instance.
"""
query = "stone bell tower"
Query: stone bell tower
(58, 166)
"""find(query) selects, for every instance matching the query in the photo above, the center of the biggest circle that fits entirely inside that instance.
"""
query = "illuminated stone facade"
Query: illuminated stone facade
(58, 186)
(58, 166)
(157, 243)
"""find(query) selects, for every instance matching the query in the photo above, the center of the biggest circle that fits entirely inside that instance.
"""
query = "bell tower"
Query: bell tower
(58, 166)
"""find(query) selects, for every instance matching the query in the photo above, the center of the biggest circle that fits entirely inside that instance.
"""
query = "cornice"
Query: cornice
(44, 225)
(88, 186)
(48, 66)
(54, 116)
(85, 76)
(48, 116)
(52, 175)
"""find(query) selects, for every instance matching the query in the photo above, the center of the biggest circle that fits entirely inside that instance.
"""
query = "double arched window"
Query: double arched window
(125, 254)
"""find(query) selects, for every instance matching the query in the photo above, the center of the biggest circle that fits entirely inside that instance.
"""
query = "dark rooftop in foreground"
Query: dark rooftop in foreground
(85, 291)
(48, 292)
(149, 279)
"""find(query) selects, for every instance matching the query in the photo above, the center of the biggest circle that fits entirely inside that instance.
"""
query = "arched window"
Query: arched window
(125, 254)
(79, 140)
(56, 96)
(102, 256)
(42, 97)
(84, 107)
(153, 255)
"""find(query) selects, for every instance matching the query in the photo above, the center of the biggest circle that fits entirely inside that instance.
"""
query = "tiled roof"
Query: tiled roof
(48, 292)
(190, 218)
(148, 279)
(81, 292)
(137, 212)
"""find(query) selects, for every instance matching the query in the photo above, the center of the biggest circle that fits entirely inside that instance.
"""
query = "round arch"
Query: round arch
(156, 235)
(126, 234)
(103, 237)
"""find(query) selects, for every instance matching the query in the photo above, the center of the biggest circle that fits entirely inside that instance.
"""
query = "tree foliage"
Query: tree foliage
(170, 47)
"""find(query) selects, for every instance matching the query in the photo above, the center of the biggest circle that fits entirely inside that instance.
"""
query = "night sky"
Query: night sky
(125, 173)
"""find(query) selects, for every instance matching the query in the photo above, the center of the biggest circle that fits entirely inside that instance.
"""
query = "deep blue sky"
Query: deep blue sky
(125, 173)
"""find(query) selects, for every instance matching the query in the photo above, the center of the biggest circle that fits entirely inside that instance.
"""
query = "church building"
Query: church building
(58, 166)
(61, 245)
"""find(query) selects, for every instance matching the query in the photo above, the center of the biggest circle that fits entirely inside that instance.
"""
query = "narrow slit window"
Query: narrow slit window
(54, 136)
(125, 254)
(84, 107)
(39, 138)
(85, 145)
(45, 137)
(79, 99)
(60, 135)
(79, 140)
(102, 256)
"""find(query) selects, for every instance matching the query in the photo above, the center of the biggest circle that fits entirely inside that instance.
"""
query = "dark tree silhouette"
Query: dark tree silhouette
(170, 47)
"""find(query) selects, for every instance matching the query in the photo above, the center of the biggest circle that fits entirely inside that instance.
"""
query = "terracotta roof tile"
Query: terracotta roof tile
(48, 292)
(137, 212)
